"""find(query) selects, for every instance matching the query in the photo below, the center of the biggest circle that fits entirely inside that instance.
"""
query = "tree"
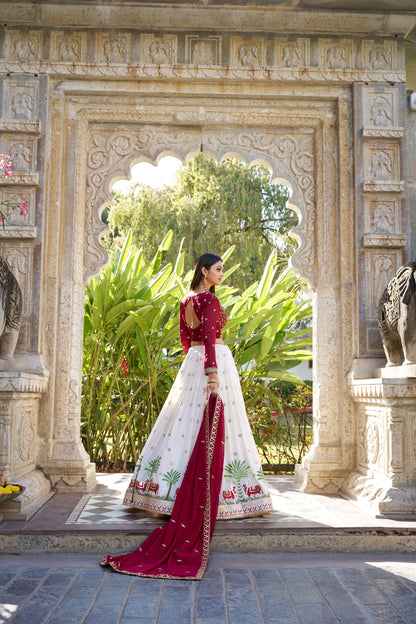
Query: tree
(171, 478)
(212, 206)
(236, 471)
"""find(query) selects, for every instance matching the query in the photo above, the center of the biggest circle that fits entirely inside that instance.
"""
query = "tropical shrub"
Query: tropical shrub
(132, 350)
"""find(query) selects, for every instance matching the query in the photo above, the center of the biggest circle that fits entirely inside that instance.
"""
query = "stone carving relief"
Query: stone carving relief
(21, 99)
(20, 261)
(372, 441)
(247, 52)
(113, 49)
(16, 198)
(380, 268)
(22, 151)
(382, 167)
(379, 56)
(110, 155)
(203, 51)
(26, 435)
(292, 53)
(69, 48)
(382, 223)
(162, 50)
(296, 155)
(381, 111)
(397, 317)
(396, 470)
(24, 46)
(5, 422)
(336, 55)
(383, 215)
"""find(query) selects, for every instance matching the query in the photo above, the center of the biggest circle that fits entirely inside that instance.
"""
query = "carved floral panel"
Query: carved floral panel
(159, 49)
(111, 154)
(380, 108)
(381, 265)
(381, 163)
(69, 47)
(336, 55)
(382, 215)
(247, 52)
(203, 50)
(24, 437)
(16, 196)
(24, 46)
(22, 151)
(292, 53)
(21, 99)
(113, 48)
(379, 56)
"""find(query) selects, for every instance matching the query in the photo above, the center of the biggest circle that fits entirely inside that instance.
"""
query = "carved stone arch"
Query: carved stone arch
(111, 152)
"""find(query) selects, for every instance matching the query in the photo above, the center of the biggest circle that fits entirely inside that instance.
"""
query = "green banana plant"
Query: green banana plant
(132, 350)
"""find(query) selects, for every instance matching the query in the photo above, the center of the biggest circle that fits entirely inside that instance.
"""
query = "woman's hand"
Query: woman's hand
(212, 385)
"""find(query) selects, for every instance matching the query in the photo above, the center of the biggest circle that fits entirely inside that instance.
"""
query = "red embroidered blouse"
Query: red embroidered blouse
(212, 319)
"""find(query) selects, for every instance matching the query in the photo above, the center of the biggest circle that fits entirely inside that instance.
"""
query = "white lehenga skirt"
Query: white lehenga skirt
(163, 461)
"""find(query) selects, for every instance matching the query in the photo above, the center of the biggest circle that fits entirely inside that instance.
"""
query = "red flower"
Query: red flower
(23, 209)
(124, 367)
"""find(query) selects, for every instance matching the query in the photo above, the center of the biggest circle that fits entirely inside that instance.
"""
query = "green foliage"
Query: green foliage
(284, 433)
(211, 203)
(132, 350)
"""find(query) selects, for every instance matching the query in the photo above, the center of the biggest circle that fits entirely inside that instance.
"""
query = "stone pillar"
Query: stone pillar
(20, 394)
(385, 477)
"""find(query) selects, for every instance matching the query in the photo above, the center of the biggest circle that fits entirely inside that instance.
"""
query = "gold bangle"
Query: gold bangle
(213, 381)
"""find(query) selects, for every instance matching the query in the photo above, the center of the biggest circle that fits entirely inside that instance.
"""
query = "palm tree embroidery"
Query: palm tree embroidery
(260, 474)
(171, 478)
(152, 468)
(237, 470)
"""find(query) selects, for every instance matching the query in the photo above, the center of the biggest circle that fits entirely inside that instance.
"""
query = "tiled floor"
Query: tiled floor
(104, 506)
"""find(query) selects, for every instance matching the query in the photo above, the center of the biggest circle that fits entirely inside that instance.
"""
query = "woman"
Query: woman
(208, 367)
(200, 462)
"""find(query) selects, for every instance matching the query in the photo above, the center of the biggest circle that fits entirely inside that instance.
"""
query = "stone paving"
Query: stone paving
(325, 588)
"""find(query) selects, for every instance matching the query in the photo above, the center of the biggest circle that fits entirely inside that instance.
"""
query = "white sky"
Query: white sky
(154, 176)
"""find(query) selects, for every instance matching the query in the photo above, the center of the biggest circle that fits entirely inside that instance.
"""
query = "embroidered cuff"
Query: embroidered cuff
(210, 370)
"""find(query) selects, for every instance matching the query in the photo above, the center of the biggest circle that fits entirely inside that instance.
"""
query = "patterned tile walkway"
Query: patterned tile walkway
(292, 508)
(237, 589)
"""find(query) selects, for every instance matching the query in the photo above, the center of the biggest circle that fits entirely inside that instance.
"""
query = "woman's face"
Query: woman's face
(214, 275)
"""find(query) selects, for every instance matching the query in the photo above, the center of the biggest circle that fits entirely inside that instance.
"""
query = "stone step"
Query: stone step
(101, 541)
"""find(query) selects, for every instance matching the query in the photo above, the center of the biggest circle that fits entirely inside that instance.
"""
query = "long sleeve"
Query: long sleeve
(210, 310)
(184, 333)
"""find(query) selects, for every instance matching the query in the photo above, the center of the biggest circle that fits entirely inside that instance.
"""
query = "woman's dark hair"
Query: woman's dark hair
(205, 261)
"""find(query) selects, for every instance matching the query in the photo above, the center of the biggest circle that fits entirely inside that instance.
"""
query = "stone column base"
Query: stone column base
(384, 481)
(20, 394)
(316, 482)
(37, 492)
(321, 470)
(380, 500)
(72, 477)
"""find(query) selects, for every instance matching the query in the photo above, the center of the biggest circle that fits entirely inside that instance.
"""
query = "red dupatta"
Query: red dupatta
(180, 548)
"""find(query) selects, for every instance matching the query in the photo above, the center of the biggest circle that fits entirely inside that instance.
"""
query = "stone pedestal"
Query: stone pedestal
(20, 394)
(385, 476)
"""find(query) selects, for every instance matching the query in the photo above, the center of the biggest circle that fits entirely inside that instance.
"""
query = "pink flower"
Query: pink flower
(23, 209)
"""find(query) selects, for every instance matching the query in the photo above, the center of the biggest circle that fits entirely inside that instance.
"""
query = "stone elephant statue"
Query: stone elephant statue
(10, 311)
(397, 317)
